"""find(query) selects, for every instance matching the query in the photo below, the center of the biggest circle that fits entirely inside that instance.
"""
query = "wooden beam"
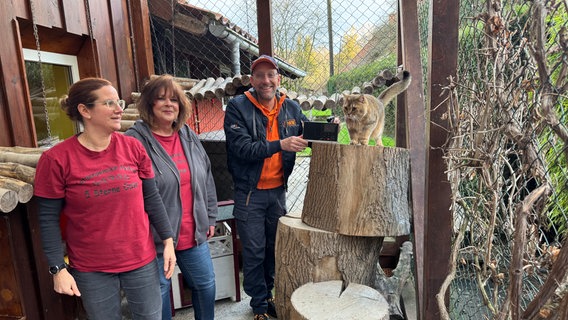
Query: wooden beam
(442, 64)
(126, 75)
(142, 41)
(15, 103)
(411, 107)
(264, 21)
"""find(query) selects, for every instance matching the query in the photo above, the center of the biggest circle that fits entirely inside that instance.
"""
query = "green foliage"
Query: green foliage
(355, 77)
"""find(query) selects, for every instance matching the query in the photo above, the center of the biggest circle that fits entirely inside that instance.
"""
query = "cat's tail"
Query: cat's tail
(396, 88)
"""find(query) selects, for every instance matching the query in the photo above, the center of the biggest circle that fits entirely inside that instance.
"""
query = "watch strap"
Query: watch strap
(57, 268)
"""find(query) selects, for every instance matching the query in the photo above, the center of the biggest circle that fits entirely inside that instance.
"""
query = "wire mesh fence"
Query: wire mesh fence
(506, 152)
(324, 49)
(506, 159)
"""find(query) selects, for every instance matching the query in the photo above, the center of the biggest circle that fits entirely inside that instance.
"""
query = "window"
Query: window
(58, 72)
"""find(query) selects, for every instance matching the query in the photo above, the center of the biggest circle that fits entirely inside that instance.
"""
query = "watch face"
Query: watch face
(56, 269)
(53, 269)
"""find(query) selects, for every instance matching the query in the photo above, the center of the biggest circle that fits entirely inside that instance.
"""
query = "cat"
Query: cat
(365, 114)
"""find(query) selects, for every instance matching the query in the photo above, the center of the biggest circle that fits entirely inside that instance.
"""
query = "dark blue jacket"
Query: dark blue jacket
(247, 147)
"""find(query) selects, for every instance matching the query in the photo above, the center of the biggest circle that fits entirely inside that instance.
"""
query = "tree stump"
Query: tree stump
(330, 300)
(358, 190)
(305, 254)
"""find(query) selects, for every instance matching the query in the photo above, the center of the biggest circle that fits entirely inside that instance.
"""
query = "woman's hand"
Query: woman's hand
(64, 283)
(211, 232)
(169, 257)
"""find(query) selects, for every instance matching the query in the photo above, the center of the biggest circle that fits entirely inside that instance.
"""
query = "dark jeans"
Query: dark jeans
(197, 269)
(100, 293)
(256, 225)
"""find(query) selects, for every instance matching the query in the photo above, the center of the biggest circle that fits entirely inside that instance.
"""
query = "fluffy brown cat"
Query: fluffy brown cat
(365, 114)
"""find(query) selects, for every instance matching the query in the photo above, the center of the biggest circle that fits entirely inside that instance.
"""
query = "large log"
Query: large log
(318, 102)
(245, 80)
(305, 254)
(24, 190)
(220, 90)
(18, 171)
(185, 83)
(210, 92)
(358, 190)
(191, 92)
(27, 159)
(25, 150)
(332, 300)
(200, 94)
(8, 200)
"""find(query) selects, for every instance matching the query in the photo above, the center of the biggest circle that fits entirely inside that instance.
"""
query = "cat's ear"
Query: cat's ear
(361, 98)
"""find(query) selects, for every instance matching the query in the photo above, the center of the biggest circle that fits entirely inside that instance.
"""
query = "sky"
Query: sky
(357, 14)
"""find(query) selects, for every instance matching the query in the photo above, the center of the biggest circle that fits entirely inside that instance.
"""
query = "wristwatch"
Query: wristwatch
(56, 269)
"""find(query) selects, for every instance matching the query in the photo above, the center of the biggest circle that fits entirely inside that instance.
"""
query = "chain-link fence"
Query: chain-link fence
(324, 49)
(507, 149)
(507, 159)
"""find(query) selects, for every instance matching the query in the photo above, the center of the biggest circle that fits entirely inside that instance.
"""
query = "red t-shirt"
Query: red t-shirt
(173, 147)
(107, 228)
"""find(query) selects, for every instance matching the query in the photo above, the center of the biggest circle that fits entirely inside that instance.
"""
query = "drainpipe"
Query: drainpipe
(236, 57)
(237, 42)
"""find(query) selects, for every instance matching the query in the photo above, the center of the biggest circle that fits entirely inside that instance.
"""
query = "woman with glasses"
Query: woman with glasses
(186, 186)
(97, 190)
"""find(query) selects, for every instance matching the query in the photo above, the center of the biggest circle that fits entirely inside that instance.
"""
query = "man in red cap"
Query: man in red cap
(263, 132)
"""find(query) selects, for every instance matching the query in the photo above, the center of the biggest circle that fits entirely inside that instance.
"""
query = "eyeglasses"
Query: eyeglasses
(270, 75)
(111, 104)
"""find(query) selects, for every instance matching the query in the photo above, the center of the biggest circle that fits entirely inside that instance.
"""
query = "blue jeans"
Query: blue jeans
(100, 293)
(256, 226)
(197, 269)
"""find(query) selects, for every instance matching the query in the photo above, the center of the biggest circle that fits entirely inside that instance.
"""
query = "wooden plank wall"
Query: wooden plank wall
(108, 52)
(63, 27)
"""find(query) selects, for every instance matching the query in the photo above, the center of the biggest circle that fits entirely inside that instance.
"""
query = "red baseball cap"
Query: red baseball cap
(261, 59)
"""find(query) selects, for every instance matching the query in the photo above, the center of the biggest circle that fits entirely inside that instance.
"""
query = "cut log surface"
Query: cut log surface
(220, 90)
(208, 85)
(245, 80)
(210, 92)
(8, 200)
(28, 159)
(18, 171)
(305, 254)
(358, 190)
(24, 190)
(330, 301)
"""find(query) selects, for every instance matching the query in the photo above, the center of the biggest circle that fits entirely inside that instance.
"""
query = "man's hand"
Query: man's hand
(169, 257)
(64, 283)
(293, 144)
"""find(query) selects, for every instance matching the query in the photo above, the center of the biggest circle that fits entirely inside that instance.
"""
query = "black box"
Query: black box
(321, 131)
